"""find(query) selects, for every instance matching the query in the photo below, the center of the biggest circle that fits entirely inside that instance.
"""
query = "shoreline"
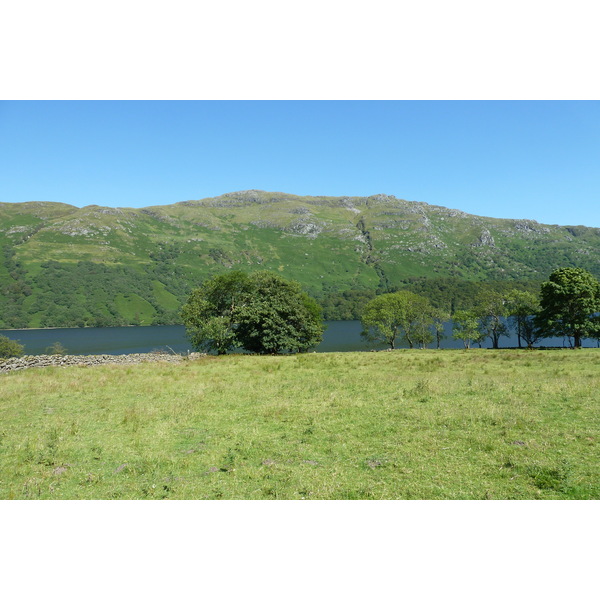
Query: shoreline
(84, 327)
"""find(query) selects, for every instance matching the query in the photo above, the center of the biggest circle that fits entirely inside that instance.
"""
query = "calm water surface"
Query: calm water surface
(340, 336)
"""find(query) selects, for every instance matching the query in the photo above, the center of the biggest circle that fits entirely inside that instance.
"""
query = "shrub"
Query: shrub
(56, 349)
(9, 348)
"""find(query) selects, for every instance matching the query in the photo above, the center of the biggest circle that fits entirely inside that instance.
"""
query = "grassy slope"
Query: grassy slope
(327, 244)
(389, 425)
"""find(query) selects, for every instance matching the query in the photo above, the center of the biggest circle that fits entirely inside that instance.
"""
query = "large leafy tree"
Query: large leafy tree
(261, 312)
(401, 313)
(491, 308)
(568, 302)
(522, 308)
(209, 313)
(277, 316)
(418, 321)
(466, 327)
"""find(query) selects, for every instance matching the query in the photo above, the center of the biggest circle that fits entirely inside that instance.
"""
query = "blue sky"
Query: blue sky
(516, 159)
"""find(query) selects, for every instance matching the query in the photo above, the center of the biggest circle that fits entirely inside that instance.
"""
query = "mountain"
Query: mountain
(63, 265)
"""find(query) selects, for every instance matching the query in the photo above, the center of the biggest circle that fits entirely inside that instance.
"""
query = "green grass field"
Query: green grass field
(419, 424)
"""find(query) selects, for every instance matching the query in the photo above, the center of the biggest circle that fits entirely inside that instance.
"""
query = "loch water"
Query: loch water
(340, 336)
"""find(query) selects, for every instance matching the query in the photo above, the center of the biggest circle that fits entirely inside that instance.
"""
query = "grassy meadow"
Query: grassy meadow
(407, 424)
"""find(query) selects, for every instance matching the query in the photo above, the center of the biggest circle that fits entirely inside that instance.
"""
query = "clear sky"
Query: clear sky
(516, 159)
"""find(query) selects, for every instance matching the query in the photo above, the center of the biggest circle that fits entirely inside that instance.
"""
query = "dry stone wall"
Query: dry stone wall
(28, 362)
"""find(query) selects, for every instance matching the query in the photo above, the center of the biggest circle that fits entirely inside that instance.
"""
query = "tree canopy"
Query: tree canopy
(522, 308)
(401, 313)
(568, 303)
(491, 309)
(10, 348)
(260, 312)
(466, 327)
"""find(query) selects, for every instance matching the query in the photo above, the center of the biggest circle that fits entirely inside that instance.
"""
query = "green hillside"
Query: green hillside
(65, 266)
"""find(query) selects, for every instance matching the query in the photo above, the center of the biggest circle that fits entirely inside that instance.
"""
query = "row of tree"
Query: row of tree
(404, 314)
(568, 306)
(446, 293)
(263, 313)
